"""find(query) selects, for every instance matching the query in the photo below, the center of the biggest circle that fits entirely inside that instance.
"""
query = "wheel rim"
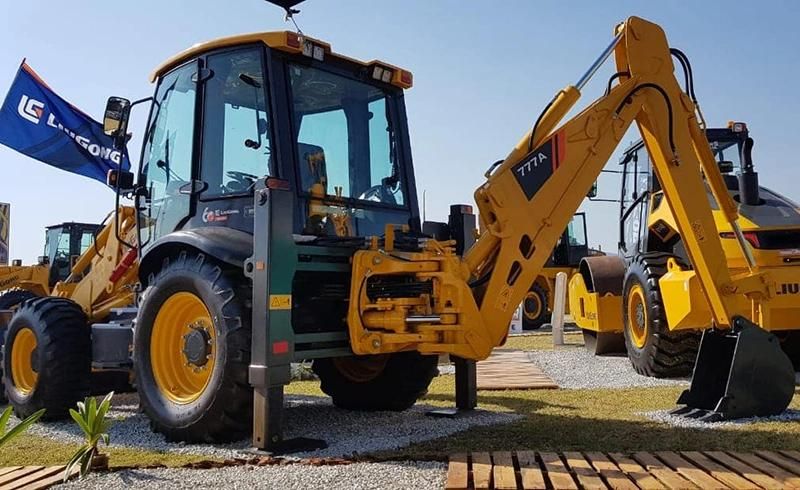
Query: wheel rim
(532, 306)
(23, 374)
(361, 369)
(637, 316)
(182, 366)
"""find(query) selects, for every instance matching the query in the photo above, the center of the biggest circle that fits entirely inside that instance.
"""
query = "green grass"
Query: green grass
(29, 449)
(584, 420)
(540, 341)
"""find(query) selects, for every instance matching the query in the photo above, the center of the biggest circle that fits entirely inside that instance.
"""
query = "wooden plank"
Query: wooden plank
(747, 471)
(661, 471)
(721, 473)
(505, 370)
(787, 464)
(532, 476)
(481, 470)
(9, 469)
(637, 472)
(587, 476)
(559, 477)
(505, 478)
(785, 478)
(34, 478)
(15, 475)
(614, 476)
(457, 472)
(690, 471)
(792, 454)
(50, 481)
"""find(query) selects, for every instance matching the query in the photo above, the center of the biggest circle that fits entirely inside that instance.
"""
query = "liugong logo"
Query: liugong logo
(30, 109)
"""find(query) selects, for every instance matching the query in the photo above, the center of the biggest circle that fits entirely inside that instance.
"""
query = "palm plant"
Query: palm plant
(19, 428)
(91, 418)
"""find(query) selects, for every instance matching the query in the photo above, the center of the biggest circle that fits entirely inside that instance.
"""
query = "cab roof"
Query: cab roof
(287, 41)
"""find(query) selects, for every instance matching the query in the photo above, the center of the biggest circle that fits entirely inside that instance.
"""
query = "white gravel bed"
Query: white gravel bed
(577, 368)
(665, 417)
(347, 433)
(392, 474)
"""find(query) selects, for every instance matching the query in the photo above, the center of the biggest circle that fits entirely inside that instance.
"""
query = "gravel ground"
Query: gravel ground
(395, 475)
(347, 433)
(577, 368)
(665, 417)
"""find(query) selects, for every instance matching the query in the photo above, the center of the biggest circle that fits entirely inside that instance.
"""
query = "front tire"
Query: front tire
(10, 299)
(652, 348)
(48, 357)
(391, 382)
(534, 308)
(192, 351)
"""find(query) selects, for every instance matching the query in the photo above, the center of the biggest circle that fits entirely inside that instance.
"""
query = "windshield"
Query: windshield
(727, 151)
(345, 141)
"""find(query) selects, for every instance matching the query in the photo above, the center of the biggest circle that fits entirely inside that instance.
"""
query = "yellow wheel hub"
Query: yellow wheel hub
(637, 316)
(532, 306)
(23, 375)
(182, 348)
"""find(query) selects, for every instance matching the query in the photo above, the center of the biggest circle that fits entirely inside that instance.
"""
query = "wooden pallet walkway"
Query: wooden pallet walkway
(512, 370)
(31, 477)
(672, 470)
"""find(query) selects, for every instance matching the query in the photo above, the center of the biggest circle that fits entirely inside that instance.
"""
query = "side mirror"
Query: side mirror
(115, 119)
(593, 191)
(725, 166)
(43, 260)
(120, 179)
(16, 263)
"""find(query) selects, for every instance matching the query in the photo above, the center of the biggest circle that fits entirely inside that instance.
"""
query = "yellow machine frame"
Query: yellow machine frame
(522, 227)
(104, 275)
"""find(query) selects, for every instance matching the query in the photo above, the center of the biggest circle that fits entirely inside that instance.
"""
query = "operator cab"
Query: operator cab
(645, 225)
(63, 244)
(232, 111)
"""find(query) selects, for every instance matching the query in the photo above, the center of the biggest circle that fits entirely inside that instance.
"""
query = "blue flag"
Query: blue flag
(38, 123)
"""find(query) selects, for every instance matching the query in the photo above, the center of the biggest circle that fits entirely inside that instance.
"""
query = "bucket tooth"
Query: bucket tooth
(739, 373)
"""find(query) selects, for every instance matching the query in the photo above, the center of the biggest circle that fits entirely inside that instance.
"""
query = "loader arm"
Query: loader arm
(531, 196)
(104, 275)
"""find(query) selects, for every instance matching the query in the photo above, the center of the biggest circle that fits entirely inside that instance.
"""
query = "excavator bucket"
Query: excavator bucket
(742, 372)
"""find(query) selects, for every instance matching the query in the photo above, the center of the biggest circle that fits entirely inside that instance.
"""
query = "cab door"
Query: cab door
(169, 152)
(634, 205)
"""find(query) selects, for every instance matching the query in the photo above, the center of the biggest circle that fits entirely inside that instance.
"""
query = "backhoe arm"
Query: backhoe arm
(530, 198)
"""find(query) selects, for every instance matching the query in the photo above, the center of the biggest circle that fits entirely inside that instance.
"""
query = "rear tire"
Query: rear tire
(54, 369)
(219, 408)
(534, 308)
(652, 348)
(10, 299)
(391, 382)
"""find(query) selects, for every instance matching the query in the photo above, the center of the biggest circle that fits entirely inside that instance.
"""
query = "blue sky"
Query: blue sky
(482, 72)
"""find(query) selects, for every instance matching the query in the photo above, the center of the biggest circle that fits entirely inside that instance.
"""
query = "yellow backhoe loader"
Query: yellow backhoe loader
(60, 348)
(290, 230)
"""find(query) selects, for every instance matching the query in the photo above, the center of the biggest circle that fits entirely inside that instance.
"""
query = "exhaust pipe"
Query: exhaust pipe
(748, 179)
(739, 373)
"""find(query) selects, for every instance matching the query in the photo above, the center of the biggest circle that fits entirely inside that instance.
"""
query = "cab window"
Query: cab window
(236, 138)
(345, 140)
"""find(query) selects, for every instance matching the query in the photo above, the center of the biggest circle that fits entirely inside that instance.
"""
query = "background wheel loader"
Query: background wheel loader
(61, 347)
(616, 297)
(63, 244)
(279, 222)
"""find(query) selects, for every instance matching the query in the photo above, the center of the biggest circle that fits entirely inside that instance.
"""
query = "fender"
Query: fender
(227, 245)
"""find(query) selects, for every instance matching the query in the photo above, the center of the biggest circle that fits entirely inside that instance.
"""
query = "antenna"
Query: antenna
(288, 8)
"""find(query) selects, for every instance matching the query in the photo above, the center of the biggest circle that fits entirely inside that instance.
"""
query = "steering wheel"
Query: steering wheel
(378, 193)
(242, 181)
